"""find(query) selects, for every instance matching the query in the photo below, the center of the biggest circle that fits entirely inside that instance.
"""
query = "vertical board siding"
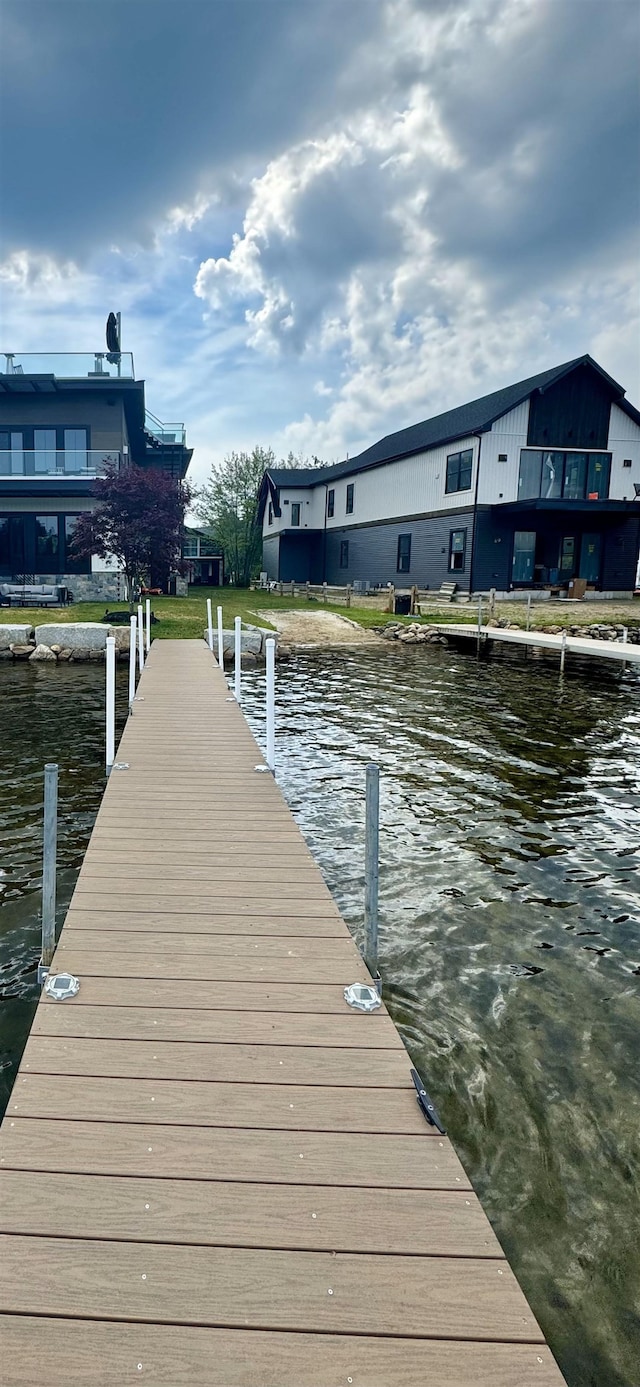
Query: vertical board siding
(498, 481)
(409, 486)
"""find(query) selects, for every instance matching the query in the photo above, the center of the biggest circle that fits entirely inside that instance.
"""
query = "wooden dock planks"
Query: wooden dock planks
(214, 1172)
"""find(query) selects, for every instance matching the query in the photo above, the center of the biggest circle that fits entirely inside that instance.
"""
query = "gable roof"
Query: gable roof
(475, 417)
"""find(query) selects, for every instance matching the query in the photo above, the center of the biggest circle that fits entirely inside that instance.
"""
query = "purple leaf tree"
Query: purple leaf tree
(138, 519)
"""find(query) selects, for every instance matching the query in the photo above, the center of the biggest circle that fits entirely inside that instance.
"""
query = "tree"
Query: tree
(138, 520)
(228, 506)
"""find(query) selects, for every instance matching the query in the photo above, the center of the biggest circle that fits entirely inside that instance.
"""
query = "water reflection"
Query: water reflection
(510, 929)
(45, 715)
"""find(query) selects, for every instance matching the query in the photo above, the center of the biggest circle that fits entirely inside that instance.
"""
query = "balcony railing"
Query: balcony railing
(55, 462)
(164, 433)
(69, 365)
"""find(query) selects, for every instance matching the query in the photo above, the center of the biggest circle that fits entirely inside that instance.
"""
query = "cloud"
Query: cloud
(383, 210)
(443, 245)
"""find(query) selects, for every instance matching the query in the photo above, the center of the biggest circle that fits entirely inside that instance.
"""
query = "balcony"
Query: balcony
(171, 434)
(55, 462)
(69, 365)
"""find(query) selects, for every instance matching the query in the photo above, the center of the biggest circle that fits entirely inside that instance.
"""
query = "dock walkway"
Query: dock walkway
(542, 640)
(214, 1172)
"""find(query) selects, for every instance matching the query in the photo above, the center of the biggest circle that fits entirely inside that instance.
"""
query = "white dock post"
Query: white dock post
(110, 700)
(563, 650)
(479, 622)
(209, 625)
(132, 661)
(372, 833)
(220, 640)
(140, 638)
(238, 659)
(49, 853)
(148, 626)
(625, 634)
(271, 703)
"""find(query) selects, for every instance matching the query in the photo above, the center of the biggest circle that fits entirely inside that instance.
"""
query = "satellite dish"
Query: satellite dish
(113, 338)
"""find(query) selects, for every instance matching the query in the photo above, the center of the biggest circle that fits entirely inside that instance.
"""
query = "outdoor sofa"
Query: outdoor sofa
(33, 595)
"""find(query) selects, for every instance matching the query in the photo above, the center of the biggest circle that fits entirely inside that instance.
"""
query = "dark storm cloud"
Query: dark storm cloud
(112, 113)
(548, 134)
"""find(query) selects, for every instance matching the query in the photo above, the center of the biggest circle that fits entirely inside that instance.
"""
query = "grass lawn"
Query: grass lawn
(185, 618)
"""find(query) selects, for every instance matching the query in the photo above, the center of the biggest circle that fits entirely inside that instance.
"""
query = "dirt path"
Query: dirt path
(317, 628)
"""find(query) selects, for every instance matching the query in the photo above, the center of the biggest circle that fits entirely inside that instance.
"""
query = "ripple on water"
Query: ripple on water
(510, 821)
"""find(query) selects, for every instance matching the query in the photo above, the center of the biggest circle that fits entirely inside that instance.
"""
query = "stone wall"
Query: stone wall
(89, 587)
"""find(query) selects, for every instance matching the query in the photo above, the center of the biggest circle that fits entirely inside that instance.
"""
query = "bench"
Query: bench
(33, 595)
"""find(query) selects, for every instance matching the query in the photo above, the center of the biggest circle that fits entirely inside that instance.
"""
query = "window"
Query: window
(270, 515)
(627, 462)
(350, 499)
(575, 476)
(403, 562)
(11, 454)
(459, 468)
(44, 450)
(81, 563)
(331, 503)
(344, 553)
(572, 476)
(46, 543)
(457, 550)
(11, 545)
(75, 450)
(295, 512)
(189, 544)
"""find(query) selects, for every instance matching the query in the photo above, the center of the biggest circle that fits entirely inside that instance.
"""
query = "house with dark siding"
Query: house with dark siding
(62, 417)
(532, 486)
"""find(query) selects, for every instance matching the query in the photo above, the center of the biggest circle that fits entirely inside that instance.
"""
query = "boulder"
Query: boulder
(43, 652)
(248, 660)
(77, 635)
(64, 655)
(78, 655)
(14, 635)
(251, 641)
(22, 652)
(283, 652)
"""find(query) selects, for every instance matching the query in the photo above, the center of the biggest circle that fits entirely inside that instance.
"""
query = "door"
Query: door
(590, 554)
(524, 553)
(567, 557)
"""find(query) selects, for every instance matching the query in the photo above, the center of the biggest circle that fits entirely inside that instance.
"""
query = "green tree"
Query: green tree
(228, 506)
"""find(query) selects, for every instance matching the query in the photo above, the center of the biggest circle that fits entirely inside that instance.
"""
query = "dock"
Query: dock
(214, 1171)
(542, 640)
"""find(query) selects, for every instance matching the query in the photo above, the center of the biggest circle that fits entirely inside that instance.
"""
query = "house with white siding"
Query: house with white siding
(532, 486)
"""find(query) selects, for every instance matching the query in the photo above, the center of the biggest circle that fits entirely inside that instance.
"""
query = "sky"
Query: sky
(321, 220)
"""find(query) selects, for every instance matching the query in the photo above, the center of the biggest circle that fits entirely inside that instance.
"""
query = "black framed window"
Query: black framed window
(270, 516)
(75, 563)
(551, 475)
(47, 544)
(349, 507)
(403, 561)
(295, 512)
(331, 503)
(457, 550)
(459, 469)
(344, 553)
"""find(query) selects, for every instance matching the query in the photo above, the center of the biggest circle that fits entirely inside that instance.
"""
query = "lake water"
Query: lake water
(510, 842)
